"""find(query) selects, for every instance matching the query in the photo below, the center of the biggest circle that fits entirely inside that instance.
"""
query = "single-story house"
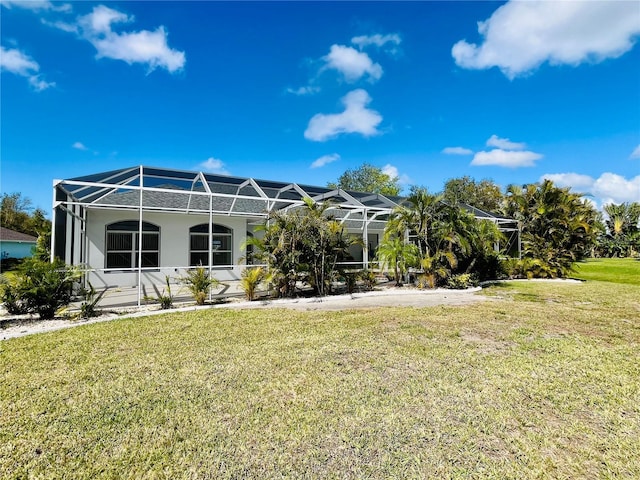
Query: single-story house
(134, 226)
(16, 244)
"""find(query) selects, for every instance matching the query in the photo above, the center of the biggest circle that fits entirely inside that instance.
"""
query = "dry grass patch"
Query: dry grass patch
(540, 383)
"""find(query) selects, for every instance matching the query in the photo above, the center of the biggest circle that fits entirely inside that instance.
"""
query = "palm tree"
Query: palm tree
(250, 280)
(302, 244)
(558, 227)
(447, 236)
(395, 252)
(623, 218)
(418, 215)
(623, 238)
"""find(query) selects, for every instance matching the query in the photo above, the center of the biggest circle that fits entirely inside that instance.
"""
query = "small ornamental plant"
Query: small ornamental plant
(198, 282)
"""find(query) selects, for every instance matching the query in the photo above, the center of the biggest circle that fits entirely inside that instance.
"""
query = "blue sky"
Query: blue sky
(301, 91)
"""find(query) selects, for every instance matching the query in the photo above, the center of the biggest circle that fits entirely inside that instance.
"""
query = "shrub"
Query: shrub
(426, 281)
(91, 299)
(40, 287)
(368, 279)
(166, 297)
(250, 280)
(351, 280)
(198, 282)
(10, 298)
(529, 268)
(10, 263)
(512, 268)
(461, 281)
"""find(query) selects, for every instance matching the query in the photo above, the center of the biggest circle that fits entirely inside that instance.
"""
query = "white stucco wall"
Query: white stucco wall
(174, 247)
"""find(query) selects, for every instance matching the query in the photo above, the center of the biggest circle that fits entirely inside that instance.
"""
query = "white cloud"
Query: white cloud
(393, 172)
(378, 40)
(635, 153)
(19, 63)
(38, 84)
(352, 64)
(521, 36)
(324, 160)
(307, 90)
(504, 158)
(356, 118)
(214, 165)
(79, 146)
(575, 180)
(505, 143)
(608, 188)
(36, 5)
(15, 61)
(457, 151)
(146, 47)
(64, 26)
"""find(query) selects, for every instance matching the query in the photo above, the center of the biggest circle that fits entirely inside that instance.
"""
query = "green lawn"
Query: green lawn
(542, 380)
(617, 270)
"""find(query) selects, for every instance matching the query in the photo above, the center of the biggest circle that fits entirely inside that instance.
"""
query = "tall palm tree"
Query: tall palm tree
(418, 215)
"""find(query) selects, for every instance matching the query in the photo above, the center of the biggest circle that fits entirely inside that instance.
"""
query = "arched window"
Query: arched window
(122, 245)
(221, 243)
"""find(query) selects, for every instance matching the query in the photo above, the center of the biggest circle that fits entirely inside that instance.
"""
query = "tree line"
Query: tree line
(18, 214)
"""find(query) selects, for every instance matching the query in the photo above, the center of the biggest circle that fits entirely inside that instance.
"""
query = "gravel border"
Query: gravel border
(388, 297)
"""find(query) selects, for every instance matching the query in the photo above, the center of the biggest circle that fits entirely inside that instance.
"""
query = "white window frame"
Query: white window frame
(131, 228)
(202, 230)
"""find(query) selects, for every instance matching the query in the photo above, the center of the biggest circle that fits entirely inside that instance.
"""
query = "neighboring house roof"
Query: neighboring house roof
(8, 235)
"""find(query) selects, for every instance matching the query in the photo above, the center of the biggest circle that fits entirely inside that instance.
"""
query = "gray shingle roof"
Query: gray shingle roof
(179, 190)
(13, 236)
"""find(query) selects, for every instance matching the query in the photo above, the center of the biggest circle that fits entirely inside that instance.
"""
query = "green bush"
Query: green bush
(10, 298)
(351, 280)
(532, 268)
(10, 263)
(368, 279)
(512, 268)
(40, 287)
(198, 282)
(461, 281)
(426, 281)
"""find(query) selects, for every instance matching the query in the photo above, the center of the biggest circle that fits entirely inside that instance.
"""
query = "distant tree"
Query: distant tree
(622, 236)
(16, 213)
(367, 178)
(622, 219)
(484, 194)
(38, 224)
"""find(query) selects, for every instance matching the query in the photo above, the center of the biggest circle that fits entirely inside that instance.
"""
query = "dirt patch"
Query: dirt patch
(485, 344)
